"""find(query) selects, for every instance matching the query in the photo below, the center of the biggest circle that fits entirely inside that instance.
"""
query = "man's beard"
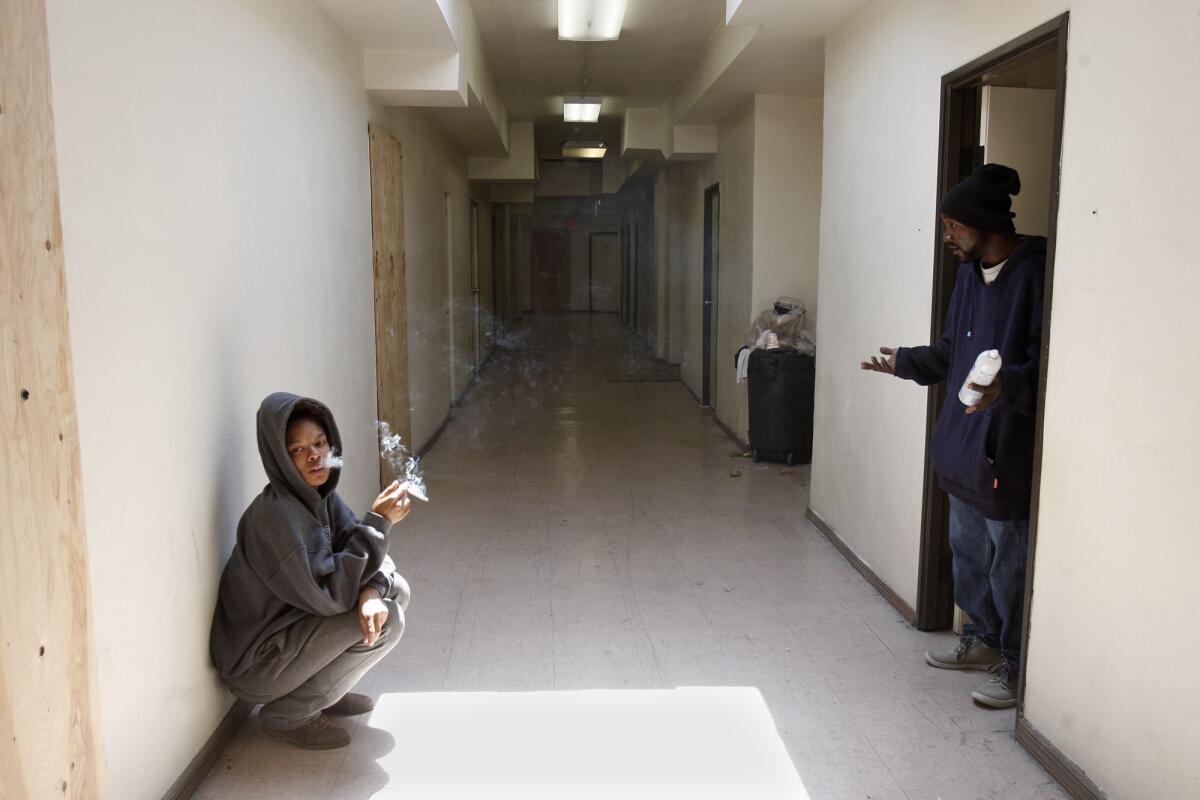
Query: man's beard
(975, 252)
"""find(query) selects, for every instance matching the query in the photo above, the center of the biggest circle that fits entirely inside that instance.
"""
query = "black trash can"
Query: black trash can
(781, 405)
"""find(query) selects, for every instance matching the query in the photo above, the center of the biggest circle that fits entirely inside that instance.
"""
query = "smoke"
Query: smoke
(404, 466)
(333, 461)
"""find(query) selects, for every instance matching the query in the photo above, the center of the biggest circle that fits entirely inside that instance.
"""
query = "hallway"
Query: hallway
(585, 533)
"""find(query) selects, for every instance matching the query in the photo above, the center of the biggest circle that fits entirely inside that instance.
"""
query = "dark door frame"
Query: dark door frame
(935, 602)
(633, 271)
(708, 308)
(476, 333)
(497, 256)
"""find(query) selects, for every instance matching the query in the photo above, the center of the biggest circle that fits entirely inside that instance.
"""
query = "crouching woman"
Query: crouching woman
(309, 600)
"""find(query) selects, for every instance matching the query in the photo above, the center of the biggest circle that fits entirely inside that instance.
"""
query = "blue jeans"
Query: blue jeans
(989, 576)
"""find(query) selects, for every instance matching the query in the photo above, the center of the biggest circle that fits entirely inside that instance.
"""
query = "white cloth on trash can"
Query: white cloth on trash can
(743, 364)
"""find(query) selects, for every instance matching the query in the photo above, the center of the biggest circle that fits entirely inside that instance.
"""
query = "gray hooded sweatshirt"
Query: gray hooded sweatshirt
(299, 550)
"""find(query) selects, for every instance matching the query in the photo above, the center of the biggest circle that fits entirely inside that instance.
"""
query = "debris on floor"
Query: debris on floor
(747, 454)
(787, 473)
(735, 473)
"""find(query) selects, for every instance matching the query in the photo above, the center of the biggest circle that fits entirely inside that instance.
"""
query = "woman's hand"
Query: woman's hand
(393, 503)
(372, 613)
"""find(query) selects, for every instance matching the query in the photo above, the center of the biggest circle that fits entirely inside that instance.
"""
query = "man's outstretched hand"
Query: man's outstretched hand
(886, 365)
(991, 393)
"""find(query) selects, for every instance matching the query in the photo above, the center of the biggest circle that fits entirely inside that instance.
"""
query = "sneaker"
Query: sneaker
(999, 691)
(351, 705)
(320, 734)
(969, 653)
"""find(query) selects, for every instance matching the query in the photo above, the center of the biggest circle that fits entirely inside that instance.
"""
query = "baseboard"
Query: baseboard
(436, 435)
(888, 593)
(692, 392)
(195, 773)
(1068, 774)
(728, 431)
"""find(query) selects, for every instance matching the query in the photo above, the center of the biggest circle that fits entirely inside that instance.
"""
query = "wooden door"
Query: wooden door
(712, 259)
(551, 272)
(391, 315)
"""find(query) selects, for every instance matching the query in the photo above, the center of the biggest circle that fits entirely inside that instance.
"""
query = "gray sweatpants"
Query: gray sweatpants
(311, 664)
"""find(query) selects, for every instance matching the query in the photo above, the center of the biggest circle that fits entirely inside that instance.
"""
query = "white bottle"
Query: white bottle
(982, 374)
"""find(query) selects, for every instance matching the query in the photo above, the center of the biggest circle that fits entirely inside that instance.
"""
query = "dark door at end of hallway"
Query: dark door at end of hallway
(551, 272)
(712, 228)
(603, 272)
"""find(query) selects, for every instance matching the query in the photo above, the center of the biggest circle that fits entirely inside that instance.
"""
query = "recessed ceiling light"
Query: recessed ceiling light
(581, 109)
(590, 20)
(582, 149)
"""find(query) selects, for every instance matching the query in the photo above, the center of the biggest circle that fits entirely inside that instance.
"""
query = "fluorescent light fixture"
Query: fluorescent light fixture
(590, 20)
(578, 149)
(581, 109)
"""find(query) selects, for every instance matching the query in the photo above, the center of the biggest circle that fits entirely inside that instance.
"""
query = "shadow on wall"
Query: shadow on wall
(228, 502)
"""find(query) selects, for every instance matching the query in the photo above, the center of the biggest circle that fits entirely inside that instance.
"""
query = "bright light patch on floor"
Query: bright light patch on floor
(690, 743)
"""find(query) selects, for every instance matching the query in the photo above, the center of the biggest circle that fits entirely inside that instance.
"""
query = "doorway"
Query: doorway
(712, 231)
(603, 269)
(551, 287)
(476, 332)
(633, 277)
(497, 260)
(1005, 107)
(451, 349)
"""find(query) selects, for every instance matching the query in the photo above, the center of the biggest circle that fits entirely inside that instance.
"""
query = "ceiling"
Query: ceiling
(550, 135)
(659, 41)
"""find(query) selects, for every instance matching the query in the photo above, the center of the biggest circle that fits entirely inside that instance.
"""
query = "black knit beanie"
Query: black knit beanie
(982, 200)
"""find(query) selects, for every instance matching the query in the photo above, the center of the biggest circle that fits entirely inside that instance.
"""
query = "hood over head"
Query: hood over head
(273, 416)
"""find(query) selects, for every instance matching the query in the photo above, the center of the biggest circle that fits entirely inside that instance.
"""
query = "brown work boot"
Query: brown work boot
(351, 705)
(320, 734)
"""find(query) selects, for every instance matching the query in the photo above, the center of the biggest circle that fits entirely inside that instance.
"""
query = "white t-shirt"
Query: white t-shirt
(990, 273)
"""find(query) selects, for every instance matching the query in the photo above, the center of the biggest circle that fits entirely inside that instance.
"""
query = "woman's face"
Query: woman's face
(308, 446)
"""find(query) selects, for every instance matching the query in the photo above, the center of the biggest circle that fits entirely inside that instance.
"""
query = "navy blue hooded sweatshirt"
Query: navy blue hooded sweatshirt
(986, 459)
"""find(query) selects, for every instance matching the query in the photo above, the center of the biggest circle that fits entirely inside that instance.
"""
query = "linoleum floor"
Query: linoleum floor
(600, 609)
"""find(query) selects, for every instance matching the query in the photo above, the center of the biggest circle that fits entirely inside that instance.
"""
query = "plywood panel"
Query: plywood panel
(49, 718)
(391, 316)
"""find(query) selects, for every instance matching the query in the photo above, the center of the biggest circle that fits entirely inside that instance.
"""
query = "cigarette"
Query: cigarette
(413, 491)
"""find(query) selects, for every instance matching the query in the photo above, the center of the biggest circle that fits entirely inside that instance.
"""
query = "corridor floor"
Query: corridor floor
(585, 552)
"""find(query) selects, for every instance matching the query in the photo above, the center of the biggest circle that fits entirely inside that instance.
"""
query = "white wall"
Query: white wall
(769, 170)
(216, 215)
(1108, 679)
(735, 172)
(662, 277)
(569, 178)
(521, 163)
(218, 246)
(688, 182)
(433, 168)
(787, 200)
(1017, 129)
(578, 254)
(480, 193)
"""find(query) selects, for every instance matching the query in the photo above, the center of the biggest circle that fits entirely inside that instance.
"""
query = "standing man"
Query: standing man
(983, 454)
